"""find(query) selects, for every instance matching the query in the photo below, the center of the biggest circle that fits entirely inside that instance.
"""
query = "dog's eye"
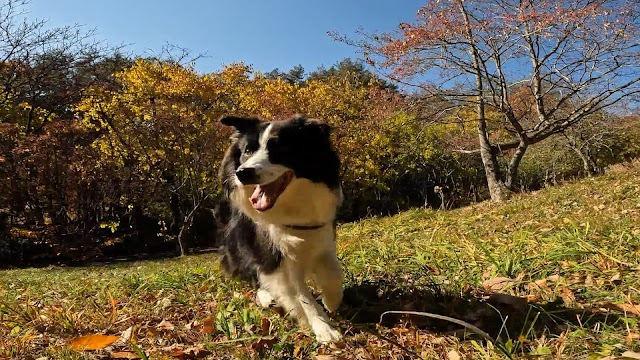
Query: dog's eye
(246, 154)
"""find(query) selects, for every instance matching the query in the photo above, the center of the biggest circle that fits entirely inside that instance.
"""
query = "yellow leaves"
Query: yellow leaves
(156, 79)
(162, 109)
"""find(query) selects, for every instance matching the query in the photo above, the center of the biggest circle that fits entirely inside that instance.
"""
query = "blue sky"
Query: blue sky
(264, 33)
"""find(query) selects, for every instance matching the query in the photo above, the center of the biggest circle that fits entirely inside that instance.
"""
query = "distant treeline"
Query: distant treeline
(105, 155)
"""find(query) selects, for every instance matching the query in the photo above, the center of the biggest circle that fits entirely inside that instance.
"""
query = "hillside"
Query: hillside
(553, 273)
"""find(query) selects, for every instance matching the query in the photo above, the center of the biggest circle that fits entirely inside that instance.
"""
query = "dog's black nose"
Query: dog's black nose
(247, 176)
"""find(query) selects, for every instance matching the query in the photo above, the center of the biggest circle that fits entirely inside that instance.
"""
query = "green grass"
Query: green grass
(568, 256)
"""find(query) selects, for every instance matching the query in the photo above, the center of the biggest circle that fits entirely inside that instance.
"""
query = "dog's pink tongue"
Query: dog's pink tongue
(265, 195)
(260, 200)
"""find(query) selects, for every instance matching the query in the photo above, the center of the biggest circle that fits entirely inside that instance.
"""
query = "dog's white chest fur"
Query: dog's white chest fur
(303, 246)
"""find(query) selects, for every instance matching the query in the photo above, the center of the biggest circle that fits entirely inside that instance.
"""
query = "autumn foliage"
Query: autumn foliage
(523, 70)
(130, 160)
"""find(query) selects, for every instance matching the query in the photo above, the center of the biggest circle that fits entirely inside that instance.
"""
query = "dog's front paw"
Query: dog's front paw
(264, 298)
(331, 302)
(325, 333)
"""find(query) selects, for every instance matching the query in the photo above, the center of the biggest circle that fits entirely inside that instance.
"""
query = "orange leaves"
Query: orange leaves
(124, 355)
(209, 326)
(92, 342)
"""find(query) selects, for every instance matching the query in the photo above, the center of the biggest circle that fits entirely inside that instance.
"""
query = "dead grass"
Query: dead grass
(553, 274)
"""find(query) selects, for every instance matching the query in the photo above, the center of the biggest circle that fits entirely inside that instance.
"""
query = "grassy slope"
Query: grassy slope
(568, 257)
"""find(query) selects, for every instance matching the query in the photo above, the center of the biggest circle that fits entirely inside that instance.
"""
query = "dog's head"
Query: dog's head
(268, 156)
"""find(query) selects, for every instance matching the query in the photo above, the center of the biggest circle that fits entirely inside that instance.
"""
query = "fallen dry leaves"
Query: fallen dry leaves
(183, 352)
(631, 309)
(329, 357)
(567, 295)
(630, 355)
(453, 355)
(265, 326)
(208, 325)
(498, 283)
(165, 326)
(124, 355)
(264, 343)
(631, 337)
(196, 352)
(92, 342)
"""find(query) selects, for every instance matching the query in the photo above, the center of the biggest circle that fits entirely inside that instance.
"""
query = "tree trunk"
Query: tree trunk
(185, 226)
(512, 172)
(587, 164)
(29, 120)
(497, 189)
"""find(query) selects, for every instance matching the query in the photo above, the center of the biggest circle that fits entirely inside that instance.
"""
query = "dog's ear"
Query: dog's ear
(325, 128)
(315, 125)
(320, 126)
(241, 124)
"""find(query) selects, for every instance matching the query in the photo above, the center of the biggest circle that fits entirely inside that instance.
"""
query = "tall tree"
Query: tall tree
(293, 76)
(356, 70)
(529, 69)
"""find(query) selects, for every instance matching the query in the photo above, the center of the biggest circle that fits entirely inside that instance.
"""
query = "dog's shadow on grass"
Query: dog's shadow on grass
(501, 316)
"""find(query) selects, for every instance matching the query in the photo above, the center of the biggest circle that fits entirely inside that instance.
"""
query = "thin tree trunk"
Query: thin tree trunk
(29, 120)
(587, 164)
(185, 225)
(497, 189)
(512, 172)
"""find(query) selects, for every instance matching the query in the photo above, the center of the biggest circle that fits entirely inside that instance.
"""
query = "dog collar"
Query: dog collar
(305, 227)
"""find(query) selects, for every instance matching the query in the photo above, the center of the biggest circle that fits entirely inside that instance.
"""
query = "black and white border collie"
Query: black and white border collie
(282, 180)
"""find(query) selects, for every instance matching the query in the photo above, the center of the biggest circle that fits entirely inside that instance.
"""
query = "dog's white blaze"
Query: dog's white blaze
(264, 137)
(265, 170)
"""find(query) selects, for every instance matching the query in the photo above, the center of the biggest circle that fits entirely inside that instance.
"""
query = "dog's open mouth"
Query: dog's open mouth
(264, 196)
